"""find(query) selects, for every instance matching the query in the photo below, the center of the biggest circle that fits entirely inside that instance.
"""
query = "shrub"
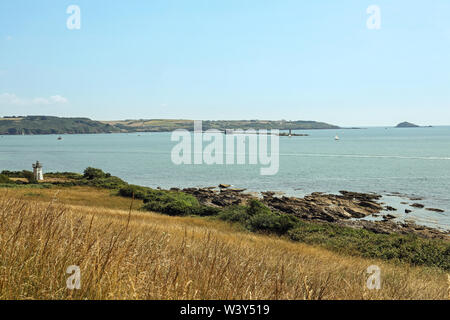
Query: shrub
(19, 174)
(94, 173)
(208, 211)
(110, 182)
(173, 203)
(258, 217)
(138, 191)
(234, 214)
(66, 175)
(29, 176)
(272, 222)
(256, 207)
(5, 179)
(12, 174)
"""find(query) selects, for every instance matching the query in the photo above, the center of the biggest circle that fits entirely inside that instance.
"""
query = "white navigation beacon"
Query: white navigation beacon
(37, 171)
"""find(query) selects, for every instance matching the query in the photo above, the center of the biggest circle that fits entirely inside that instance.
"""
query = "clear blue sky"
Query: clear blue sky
(228, 59)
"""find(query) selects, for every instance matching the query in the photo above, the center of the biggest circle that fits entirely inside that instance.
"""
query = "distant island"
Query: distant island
(26, 125)
(407, 125)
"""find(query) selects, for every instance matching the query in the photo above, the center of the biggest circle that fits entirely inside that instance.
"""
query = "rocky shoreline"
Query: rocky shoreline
(345, 209)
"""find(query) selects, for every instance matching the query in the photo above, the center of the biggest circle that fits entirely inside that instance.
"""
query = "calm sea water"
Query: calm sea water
(413, 162)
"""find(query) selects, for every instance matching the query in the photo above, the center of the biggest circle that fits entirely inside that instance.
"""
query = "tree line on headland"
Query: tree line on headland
(17, 125)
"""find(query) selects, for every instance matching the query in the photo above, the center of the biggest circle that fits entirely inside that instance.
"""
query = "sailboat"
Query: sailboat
(336, 138)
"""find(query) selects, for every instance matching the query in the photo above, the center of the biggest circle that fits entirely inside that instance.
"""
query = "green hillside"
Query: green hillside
(53, 125)
(158, 125)
(56, 125)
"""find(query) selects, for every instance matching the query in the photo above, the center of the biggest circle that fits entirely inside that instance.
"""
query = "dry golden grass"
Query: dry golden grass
(138, 255)
(88, 196)
(154, 122)
(13, 119)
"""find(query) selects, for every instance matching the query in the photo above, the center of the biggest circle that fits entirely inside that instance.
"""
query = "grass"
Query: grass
(26, 186)
(394, 247)
(257, 217)
(127, 254)
(84, 196)
(240, 252)
(254, 216)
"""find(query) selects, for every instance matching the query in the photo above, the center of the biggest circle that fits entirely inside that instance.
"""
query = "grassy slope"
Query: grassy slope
(57, 125)
(170, 125)
(147, 255)
(255, 217)
(53, 125)
(84, 196)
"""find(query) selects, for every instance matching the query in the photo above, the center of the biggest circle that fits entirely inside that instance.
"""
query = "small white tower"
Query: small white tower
(37, 171)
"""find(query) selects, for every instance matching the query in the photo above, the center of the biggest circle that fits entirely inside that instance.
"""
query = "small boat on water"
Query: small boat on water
(59, 138)
(337, 138)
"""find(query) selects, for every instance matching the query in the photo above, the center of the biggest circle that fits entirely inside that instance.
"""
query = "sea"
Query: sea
(404, 165)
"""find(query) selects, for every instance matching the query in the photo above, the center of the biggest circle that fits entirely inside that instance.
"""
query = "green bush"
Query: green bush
(5, 179)
(256, 207)
(258, 217)
(29, 176)
(234, 214)
(19, 174)
(12, 174)
(173, 203)
(138, 191)
(272, 222)
(106, 183)
(94, 173)
(208, 211)
(66, 175)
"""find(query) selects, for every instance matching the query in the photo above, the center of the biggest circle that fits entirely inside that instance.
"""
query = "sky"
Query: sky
(228, 59)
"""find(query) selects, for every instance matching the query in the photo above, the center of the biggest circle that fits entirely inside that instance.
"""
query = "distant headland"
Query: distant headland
(26, 125)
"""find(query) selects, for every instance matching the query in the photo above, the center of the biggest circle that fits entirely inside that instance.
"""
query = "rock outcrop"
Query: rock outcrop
(326, 207)
(345, 209)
